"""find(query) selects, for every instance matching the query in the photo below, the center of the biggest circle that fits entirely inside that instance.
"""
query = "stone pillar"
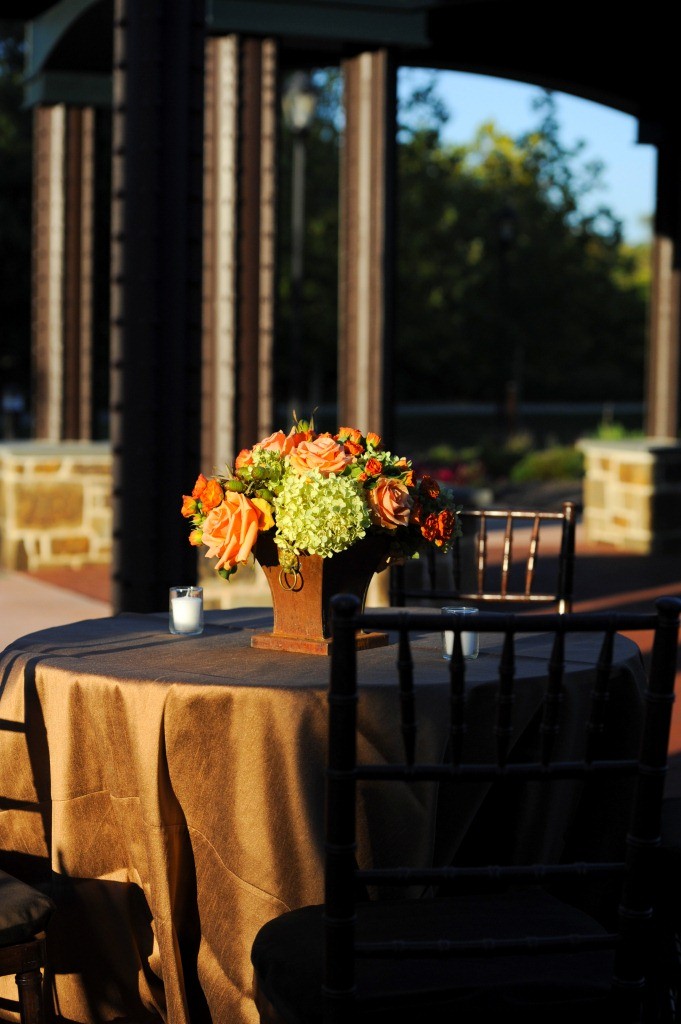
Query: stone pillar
(156, 293)
(366, 271)
(63, 241)
(239, 238)
(662, 419)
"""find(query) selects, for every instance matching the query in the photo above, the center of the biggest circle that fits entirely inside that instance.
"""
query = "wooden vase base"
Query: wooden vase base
(302, 645)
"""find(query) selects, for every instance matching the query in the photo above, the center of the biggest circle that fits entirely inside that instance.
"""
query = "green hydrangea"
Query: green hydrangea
(320, 515)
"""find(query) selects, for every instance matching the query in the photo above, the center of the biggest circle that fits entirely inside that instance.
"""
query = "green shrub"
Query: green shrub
(613, 431)
(551, 464)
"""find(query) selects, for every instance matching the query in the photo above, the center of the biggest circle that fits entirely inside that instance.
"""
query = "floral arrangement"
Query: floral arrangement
(321, 493)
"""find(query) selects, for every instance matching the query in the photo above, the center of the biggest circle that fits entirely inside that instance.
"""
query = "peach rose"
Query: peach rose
(276, 442)
(244, 458)
(390, 503)
(324, 454)
(231, 530)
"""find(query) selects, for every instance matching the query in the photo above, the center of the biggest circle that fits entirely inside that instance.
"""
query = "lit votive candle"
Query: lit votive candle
(186, 611)
(469, 640)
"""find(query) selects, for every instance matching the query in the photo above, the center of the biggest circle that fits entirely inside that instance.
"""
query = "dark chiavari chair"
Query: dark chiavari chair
(448, 577)
(506, 936)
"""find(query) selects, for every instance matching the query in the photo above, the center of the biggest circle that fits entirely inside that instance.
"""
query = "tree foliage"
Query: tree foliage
(503, 278)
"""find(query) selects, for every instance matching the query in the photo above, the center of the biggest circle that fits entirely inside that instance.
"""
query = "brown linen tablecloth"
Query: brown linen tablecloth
(171, 789)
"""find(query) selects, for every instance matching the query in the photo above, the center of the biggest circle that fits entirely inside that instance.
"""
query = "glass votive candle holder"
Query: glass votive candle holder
(470, 642)
(186, 611)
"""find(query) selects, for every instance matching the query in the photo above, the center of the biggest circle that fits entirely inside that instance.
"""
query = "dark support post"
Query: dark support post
(156, 293)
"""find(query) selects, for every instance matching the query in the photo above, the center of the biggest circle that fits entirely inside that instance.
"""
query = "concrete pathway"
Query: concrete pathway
(28, 604)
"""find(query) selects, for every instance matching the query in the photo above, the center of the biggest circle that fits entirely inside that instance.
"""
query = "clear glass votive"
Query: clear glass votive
(186, 611)
(470, 644)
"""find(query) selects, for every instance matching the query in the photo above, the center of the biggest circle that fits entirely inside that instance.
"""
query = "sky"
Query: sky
(610, 135)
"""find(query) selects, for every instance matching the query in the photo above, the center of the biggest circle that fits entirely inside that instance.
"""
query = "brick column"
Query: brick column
(239, 236)
(63, 239)
(366, 244)
(48, 269)
(662, 419)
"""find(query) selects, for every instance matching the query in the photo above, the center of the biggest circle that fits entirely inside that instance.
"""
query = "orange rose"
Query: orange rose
(231, 530)
(212, 495)
(196, 538)
(390, 503)
(349, 434)
(352, 448)
(429, 528)
(324, 454)
(297, 436)
(373, 439)
(373, 467)
(189, 506)
(430, 487)
(446, 521)
(199, 487)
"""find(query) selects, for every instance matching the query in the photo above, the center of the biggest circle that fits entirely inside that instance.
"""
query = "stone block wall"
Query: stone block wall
(55, 504)
(632, 494)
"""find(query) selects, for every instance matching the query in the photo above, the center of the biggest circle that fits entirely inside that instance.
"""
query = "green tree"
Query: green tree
(503, 278)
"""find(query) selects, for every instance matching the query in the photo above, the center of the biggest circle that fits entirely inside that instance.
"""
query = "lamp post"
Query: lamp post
(299, 102)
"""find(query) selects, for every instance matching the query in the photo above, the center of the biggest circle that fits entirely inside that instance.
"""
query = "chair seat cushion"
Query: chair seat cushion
(23, 910)
(287, 957)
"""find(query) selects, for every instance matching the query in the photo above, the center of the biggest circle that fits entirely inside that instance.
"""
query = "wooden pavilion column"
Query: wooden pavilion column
(662, 418)
(367, 252)
(239, 240)
(156, 234)
(63, 241)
